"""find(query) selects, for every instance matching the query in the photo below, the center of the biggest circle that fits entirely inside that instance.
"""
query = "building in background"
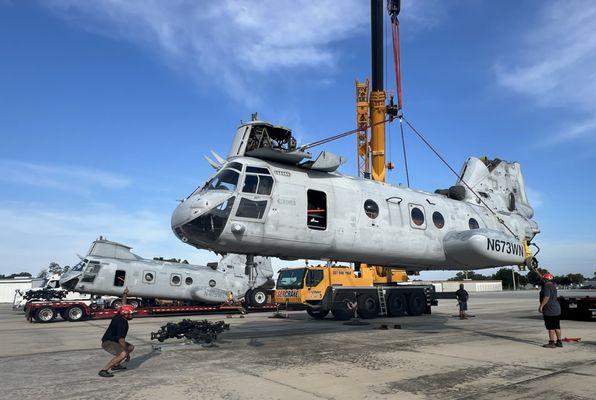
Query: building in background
(8, 287)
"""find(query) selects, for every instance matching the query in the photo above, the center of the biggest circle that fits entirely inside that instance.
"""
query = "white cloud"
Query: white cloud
(554, 65)
(228, 42)
(234, 44)
(32, 235)
(70, 178)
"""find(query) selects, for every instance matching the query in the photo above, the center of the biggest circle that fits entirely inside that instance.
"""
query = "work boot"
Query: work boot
(559, 343)
(550, 345)
(105, 373)
(118, 367)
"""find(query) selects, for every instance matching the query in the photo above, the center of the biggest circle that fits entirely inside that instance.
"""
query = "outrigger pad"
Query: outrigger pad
(198, 331)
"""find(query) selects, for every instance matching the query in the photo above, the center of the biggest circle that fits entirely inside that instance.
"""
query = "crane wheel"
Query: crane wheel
(341, 309)
(317, 314)
(368, 306)
(396, 305)
(416, 303)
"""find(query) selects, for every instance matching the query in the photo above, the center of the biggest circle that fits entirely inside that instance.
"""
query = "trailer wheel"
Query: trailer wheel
(416, 303)
(134, 303)
(45, 314)
(75, 313)
(317, 314)
(368, 306)
(396, 305)
(341, 311)
(258, 297)
(116, 304)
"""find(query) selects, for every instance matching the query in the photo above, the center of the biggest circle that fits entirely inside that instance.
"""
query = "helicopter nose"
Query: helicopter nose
(181, 214)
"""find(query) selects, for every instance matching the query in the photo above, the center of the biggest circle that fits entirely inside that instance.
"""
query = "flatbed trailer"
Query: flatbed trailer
(579, 304)
(48, 311)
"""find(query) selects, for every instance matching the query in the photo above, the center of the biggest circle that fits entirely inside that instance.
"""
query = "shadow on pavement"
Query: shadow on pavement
(138, 361)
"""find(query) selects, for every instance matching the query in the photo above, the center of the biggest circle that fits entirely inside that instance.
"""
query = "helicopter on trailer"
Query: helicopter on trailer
(109, 266)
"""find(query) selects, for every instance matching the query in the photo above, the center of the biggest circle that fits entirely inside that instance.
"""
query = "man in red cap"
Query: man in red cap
(113, 340)
(551, 311)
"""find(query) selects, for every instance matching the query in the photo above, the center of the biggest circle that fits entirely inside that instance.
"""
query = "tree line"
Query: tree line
(504, 275)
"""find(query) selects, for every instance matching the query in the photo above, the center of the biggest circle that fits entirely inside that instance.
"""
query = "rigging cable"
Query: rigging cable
(501, 221)
(403, 145)
(340, 135)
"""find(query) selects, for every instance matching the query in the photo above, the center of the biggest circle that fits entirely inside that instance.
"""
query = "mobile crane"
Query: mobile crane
(369, 290)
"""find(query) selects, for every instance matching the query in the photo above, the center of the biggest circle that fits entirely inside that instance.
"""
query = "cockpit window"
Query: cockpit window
(79, 266)
(259, 184)
(227, 180)
(265, 185)
(235, 165)
(258, 170)
(251, 182)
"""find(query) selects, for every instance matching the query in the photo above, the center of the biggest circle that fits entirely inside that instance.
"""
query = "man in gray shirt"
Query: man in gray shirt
(551, 311)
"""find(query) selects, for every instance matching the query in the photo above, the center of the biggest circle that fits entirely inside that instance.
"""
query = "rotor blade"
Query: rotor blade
(218, 157)
(212, 163)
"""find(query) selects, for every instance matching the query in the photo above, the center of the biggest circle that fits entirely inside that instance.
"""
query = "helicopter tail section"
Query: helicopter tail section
(498, 182)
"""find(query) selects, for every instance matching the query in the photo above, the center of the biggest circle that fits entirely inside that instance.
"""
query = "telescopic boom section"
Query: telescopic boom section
(377, 96)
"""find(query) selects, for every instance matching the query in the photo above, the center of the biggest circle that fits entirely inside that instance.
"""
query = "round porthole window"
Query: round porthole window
(417, 216)
(473, 224)
(149, 277)
(212, 283)
(438, 219)
(188, 281)
(371, 209)
(175, 279)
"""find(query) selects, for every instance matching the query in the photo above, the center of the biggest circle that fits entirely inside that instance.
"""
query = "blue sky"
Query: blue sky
(107, 107)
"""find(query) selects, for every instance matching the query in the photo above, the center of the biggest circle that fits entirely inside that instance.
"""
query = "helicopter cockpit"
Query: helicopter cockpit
(237, 189)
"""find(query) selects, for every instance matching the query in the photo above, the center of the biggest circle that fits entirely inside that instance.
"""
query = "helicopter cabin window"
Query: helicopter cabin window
(119, 277)
(473, 224)
(148, 277)
(371, 209)
(316, 213)
(175, 279)
(314, 277)
(251, 209)
(438, 219)
(188, 281)
(417, 216)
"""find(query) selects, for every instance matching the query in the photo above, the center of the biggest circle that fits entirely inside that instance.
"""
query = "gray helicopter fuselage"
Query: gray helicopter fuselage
(105, 274)
(303, 213)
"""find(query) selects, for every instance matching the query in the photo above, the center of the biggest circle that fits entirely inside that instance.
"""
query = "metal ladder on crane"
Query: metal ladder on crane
(382, 301)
